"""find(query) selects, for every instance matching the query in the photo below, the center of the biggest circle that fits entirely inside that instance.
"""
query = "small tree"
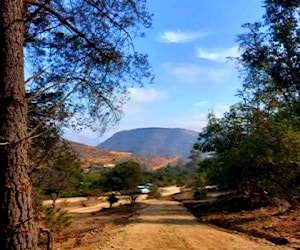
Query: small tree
(56, 219)
(154, 193)
(111, 198)
(199, 188)
(124, 177)
(62, 175)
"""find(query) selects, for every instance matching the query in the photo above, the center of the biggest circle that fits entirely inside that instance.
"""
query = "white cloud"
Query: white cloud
(193, 123)
(197, 122)
(193, 73)
(143, 95)
(180, 36)
(220, 109)
(218, 55)
(140, 96)
(201, 103)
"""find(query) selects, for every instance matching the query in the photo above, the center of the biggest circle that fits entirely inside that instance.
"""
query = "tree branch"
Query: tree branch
(38, 9)
(35, 75)
(51, 109)
(71, 28)
(112, 21)
(36, 94)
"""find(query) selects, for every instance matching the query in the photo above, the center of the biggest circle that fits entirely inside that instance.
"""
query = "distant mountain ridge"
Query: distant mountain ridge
(90, 156)
(166, 142)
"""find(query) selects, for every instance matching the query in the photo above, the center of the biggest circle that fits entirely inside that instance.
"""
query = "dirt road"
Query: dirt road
(167, 225)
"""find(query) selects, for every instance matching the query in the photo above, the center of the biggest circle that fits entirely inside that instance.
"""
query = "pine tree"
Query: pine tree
(82, 50)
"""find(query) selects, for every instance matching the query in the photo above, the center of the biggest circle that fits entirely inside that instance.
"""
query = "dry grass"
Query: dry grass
(88, 229)
(275, 222)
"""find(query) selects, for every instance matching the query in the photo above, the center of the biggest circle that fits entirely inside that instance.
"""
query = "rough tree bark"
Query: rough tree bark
(16, 215)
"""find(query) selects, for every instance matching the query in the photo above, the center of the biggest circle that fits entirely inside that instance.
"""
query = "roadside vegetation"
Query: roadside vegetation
(256, 144)
(254, 149)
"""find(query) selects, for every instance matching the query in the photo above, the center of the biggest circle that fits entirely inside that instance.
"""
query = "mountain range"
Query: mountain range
(93, 156)
(165, 142)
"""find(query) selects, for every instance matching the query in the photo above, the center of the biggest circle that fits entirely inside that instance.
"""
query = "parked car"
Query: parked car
(148, 185)
(142, 189)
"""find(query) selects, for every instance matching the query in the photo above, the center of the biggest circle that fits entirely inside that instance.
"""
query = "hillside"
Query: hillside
(92, 156)
(166, 142)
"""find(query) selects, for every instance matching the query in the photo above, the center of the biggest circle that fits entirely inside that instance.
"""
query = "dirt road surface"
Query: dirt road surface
(167, 225)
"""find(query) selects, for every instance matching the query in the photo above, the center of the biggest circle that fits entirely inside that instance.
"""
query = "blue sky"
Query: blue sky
(187, 47)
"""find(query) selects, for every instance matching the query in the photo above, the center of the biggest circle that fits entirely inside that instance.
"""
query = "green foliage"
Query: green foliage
(56, 219)
(199, 187)
(199, 193)
(270, 58)
(62, 175)
(111, 198)
(90, 74)
(125, 176)
(257, 143)
(264, 161)
(270, 159)
(37, 203)
(91, 184)
(179, 174)
(154, 193)
(210, 169)
(81, 54)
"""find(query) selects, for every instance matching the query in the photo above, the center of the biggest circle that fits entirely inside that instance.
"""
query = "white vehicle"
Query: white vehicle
(142, 189)
(148, 185)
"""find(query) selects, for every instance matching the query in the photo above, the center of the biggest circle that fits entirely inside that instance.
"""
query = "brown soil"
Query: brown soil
(153, 224)
(89, 229)
(276, 222)
(167, 225)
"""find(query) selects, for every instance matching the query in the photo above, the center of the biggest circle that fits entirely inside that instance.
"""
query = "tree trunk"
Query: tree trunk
(16, 215)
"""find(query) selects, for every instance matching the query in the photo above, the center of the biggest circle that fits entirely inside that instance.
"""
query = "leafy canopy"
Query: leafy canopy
(83, 53)
(257, 142)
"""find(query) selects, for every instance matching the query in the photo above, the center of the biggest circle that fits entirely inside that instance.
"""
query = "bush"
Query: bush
(112, 199)
(56, 219)
(132, 197)
(92, 193)
(154, 193)
(200, 193)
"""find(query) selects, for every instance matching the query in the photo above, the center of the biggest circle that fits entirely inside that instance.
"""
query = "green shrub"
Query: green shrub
(133, 197)
(56, 219)
(154, 193)
(111, 198)
(200, 193)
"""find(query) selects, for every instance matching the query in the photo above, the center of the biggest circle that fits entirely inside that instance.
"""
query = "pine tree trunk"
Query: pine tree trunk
(16, 216)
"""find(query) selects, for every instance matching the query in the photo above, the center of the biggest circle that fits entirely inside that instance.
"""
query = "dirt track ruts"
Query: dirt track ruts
(168, 225)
